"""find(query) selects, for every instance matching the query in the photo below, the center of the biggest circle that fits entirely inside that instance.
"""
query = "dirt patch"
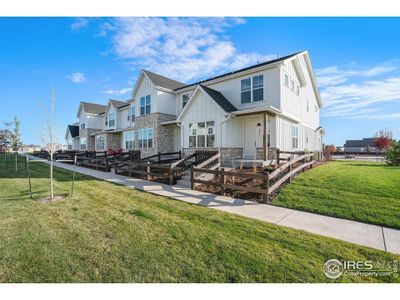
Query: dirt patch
(54, 199)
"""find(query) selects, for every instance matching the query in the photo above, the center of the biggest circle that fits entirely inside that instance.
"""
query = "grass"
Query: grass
(109, 233)
(361, 191)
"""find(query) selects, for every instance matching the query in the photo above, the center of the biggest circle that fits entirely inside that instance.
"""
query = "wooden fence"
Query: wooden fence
(94, 160)
(267, 184)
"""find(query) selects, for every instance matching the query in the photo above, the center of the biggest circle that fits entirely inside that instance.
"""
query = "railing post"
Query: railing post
(278, 155)
(171, 176)
(159, 157)
(180, 154)
(222, 181)
(290, 171)
(191, 178)
(148, 170)
(106, 158)
(265, 197)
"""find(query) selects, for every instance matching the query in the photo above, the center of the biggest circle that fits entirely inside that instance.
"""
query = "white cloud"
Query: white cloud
(359, 92)
(117, 92)
(79, 23)
(181, 48)
(77, 77)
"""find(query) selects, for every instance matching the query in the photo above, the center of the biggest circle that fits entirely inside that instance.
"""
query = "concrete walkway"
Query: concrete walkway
(373, 236)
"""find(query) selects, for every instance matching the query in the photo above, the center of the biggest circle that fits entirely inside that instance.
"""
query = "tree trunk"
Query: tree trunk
(51, 176)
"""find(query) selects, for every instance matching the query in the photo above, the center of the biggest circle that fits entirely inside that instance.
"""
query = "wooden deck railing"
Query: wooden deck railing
(268, 183)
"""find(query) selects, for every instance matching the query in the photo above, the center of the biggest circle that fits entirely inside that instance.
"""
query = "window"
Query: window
(100, 142)
(192, 135)
(111, 119)
(258, 88)
(297, 90)
(202, 134)
(295, 136)
(132, 114)
(308, 105)
(129, 139)
(106, 122)
(292, 85)
(315, 108)
(210, 134)
(252, 89)
(82, 123)
(286, 79)
(245, 86)
(83, 143)
(145, 138)
(306, 137)
(145, 105)
(185, 99)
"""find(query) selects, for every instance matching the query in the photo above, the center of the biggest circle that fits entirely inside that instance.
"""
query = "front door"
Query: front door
(250, 138)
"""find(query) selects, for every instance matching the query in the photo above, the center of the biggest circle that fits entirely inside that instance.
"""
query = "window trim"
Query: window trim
(252, 89)
(113, 119)
(103, 142)
(183, 104)
(126, 134)
(145, 105)
(206, 134)
(141, 140)
(295, 136)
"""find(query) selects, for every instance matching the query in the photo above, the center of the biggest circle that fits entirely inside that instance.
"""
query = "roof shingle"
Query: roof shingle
(163, 81)
(219, 99)
(93, 108)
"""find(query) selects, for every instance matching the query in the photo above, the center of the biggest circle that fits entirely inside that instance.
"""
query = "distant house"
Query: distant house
(28, 148)
(366, 145)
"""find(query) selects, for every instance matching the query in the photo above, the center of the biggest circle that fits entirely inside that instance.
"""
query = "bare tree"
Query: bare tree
(49, 137)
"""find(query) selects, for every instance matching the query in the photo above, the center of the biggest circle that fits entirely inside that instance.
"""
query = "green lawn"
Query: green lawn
(361, 191)
(109, 233)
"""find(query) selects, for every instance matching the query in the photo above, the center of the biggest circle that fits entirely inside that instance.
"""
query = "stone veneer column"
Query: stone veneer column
(163, 136)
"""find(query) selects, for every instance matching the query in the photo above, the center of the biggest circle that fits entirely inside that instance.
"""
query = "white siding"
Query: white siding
(165, 103)
(123, 118)
(201, 109)
(146, 87)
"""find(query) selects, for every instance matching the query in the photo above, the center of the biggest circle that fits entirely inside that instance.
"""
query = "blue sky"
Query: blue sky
(357, 62)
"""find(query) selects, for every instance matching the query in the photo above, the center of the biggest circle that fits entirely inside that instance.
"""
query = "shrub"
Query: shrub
(393, 153)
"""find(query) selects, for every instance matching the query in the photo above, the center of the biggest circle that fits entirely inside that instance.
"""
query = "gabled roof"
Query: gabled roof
(74, 130)
(242, 70)
(211, 94)
(163, 81)
(118, 104)
(93, 108)
(360, 143)
(219, 99)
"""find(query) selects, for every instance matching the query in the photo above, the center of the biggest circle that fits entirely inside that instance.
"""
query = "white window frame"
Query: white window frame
(286, 79)
(292, 85)
(82, 124)
(308, 105)
(295, 136)
(252, 89)
(81, 144)
(99, 143)
(185, 101)
(144, 136)
(111, 119)
(194, 132)
(145, 105)
(297, 90)
(129, 139)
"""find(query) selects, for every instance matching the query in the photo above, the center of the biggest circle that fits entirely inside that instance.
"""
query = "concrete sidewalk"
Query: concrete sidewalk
(373, 236)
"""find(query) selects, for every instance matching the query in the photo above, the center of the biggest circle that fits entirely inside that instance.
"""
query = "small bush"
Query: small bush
(393, 153)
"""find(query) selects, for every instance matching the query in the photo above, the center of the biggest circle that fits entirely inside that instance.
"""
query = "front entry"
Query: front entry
(252, 138)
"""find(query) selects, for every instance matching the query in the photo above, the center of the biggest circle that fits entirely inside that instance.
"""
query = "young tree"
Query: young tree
(328, 150)
(5, 137)
(16, 135)
(393, 153)
(383, 139)
(49, 137)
